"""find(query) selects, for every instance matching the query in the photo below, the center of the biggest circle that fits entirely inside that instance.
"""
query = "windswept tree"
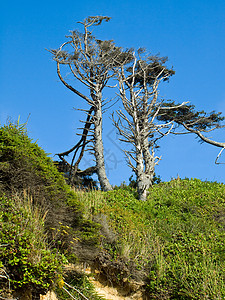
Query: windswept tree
(91, 62)
(146, 118)
(137, 122)
(191, 121)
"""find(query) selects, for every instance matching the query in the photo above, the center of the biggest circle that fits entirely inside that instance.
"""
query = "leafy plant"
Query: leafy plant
(28, 256)
(27, 259)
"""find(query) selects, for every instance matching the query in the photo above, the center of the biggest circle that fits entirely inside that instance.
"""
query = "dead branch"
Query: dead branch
(218, 157)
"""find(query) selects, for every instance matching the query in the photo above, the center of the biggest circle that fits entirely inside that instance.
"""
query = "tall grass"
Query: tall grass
(26, 258)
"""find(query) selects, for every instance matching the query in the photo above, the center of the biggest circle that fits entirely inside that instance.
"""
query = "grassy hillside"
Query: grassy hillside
(174, 241)
(172, 245)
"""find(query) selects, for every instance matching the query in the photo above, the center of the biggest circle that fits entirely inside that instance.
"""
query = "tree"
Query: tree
(138, 90)
(146, 118)
(92, 62)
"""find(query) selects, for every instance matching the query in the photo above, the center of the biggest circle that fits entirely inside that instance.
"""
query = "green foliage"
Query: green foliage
(175, 238)
(26, 169)
(174, 241)
(23, 163)
(25, 166)
(25, 256)
(191, 262)
(198, 120)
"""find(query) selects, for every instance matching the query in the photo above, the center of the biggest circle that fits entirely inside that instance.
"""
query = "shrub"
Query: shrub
(24, 254)
(25, 166)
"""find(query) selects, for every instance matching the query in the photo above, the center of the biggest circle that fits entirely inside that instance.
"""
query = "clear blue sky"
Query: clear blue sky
(191, 33)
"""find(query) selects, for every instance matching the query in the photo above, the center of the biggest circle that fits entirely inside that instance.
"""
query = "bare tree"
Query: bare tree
(138, 90)
(91, 62)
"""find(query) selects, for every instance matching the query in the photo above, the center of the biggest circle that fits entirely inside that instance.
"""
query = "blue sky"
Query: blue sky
(191, 33)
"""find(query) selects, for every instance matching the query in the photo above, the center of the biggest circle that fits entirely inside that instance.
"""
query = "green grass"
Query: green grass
(176, 237)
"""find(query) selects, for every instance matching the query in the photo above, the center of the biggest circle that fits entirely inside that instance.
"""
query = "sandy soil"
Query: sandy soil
(111, 293)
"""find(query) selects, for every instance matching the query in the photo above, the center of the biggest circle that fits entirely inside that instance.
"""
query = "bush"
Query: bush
(24, 165)
(24, 254)
(25, 168)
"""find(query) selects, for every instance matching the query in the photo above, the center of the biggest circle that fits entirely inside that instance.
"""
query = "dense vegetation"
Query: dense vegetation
(26, 260)
(172, 245)
(176, 238)
(42, 225)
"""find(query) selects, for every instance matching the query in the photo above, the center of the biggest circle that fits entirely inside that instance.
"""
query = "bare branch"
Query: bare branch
(79, 292)
(70, 87)
(216, 161)
(204, 138)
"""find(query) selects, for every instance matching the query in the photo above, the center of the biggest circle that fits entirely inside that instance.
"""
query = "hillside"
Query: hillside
(168, 247)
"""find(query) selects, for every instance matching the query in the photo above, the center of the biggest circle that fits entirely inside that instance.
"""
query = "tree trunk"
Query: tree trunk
(149, 160)
(99, 150)
(141, 176)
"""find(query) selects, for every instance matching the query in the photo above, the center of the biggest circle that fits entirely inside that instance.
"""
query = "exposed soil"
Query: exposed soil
(111, 293)
(103, 288)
